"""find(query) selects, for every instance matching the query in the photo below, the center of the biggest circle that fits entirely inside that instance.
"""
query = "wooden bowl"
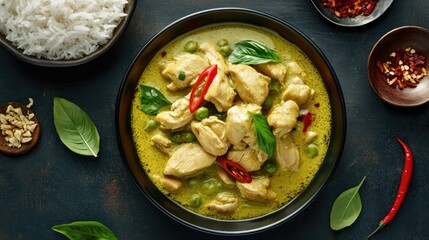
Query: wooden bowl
(25, 147)
(402, 38)
(129, 9)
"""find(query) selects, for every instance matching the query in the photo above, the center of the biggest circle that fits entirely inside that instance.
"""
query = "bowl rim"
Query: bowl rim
(371, 60)
(193, 220)
(122, 25)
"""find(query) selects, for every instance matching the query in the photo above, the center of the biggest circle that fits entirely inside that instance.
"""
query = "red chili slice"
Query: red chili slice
(235, 170)
(209, 73)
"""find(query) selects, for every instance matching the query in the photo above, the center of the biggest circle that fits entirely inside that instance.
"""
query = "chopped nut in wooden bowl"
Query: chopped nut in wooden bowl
(20, 128)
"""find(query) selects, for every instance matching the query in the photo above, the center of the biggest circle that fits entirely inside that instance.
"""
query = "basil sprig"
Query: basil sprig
(346, 208)
(75, 129)
(152, 100)
(264, 135)
(252, 52)
(85, 230)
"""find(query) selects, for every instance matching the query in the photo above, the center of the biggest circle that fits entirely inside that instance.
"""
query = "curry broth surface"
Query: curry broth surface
(287, 185)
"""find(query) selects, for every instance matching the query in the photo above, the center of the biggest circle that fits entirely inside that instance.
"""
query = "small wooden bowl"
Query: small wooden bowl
(402, 37)
(25, 147)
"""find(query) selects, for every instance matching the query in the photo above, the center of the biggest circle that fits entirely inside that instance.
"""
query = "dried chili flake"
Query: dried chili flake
(350, 8)
(306, 119)
(404, 68)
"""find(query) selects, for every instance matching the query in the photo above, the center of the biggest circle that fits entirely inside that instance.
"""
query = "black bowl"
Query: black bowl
(174, 210)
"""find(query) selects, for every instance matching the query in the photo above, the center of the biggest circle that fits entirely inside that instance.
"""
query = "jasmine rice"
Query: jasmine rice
(60, 29)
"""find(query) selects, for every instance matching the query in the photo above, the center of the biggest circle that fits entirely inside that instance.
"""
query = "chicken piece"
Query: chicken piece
(299, 93)
(224, 203)
(294, 69)
(250, 159)
(273, 70)
(220, 92)
(188, 159)
(190, 64)
(239, 128)
(283, 117)
(178, 116)
(226, 178)
(251, 86)
(162, 143)
(211, 134)
(168, 183)
(258, 190)
(287, 154)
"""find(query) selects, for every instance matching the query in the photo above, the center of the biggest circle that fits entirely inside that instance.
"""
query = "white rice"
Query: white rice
(60, 29)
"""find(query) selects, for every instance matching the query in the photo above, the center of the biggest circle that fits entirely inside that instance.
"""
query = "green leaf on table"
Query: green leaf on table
(252, 52)
(152, 100)
(264, 135)
(75, 128)
(346, 208)
(85, 230)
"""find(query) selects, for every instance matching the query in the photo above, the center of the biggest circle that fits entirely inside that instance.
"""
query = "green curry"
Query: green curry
(197, 190)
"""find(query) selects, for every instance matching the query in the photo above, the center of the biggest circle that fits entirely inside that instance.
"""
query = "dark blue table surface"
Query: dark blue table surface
(51, 185)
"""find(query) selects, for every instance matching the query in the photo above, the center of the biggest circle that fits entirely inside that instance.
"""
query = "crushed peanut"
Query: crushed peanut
(17, 128)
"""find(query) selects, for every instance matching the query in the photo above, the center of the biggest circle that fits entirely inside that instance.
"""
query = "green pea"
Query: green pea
(270, 167)
(222, 43)
(268, 103)
(312, 150)
(188, 137)
(201, 113)
(191, 46)
(193, 183)
(211, 186)
(176, 138)
(195, 200)
(225, 51)
(150, 125)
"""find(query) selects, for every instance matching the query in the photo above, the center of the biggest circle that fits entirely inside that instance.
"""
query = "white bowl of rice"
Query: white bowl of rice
(60, 33)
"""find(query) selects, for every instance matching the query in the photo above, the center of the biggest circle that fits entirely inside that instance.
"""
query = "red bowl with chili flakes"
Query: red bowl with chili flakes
(394, 59)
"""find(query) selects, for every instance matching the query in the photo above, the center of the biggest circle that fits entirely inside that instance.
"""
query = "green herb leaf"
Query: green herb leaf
(75, 128)
(152, 100)
(252, 52)
(346, 208)
(85, 230)
(264, 135)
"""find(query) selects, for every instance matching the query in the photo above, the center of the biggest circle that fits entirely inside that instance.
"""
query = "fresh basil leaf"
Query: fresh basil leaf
(346, 208)
(252, 52)
(75, 128)
(152, 100)
(85, 230)
(264, 135)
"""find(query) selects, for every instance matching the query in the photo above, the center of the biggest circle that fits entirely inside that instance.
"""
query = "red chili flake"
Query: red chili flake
(317, 105)
(350, 8)
(306, 119)
(404, 68)
(163, 53)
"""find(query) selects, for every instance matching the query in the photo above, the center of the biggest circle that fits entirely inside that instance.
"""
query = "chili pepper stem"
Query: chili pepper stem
(380, 226)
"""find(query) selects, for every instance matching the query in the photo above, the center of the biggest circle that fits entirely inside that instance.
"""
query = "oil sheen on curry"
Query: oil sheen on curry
(231, 121)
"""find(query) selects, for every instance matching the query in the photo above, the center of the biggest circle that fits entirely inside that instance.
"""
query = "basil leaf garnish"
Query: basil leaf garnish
(85, 230)
(346, 208)
(252, 52)
(75, 128)
(152, 100)
(264, 135)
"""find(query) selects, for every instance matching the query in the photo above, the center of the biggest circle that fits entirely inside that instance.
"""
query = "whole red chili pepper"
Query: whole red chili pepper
(234, 169)
(403, 187)
(194, 102)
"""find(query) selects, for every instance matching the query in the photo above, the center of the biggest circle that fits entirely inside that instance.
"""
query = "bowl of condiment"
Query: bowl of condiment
(187, 163)
(62, 33)
(397, 66)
